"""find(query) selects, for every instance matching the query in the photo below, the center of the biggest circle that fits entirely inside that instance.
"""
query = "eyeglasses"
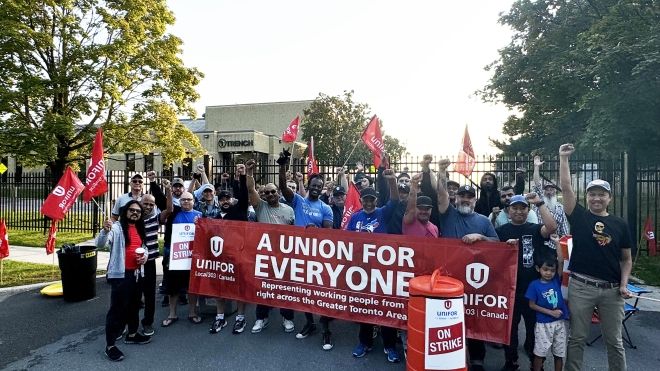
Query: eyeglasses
(135, 211)
(148, 204)
(136, 181)
(271, 192)
(185, 199)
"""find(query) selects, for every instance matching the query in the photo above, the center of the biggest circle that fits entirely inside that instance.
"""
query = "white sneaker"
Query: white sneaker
(288, 325)
(259, 325)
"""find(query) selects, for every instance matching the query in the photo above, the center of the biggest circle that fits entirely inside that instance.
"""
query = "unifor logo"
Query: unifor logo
(216, 245)
(187, 228)
(59, 191)
(476, 274)
(447, 304)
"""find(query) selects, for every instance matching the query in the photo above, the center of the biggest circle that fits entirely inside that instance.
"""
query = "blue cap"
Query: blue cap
(518, 199)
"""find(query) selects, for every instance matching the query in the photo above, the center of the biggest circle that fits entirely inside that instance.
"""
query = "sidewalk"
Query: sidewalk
(38, 255)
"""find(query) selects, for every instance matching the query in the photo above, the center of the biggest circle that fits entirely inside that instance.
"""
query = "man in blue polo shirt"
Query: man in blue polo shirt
(463, 222)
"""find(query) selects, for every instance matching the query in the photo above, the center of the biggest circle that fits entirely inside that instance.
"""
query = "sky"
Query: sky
(417, 64)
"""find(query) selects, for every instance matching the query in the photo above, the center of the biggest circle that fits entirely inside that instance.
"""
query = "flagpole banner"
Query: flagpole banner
(466, 159)
(373, 139)
(183, 235)
(95, 181)
(352, 204)
(291, 132)
(358, 277)
(63, 196)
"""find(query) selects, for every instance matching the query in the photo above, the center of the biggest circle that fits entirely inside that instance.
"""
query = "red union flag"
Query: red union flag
(312, 166)
(373, 139)
(95, 182)
(649, 235)
(60, 200)
(4, 241)
(352, 276)
(52, 236)
(291, 133)
(351, 206)
(466, 159)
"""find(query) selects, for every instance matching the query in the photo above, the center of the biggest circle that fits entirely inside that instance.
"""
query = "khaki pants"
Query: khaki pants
(582, 299)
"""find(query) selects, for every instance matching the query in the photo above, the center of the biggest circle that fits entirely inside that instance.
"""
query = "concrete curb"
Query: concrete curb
(23, 288)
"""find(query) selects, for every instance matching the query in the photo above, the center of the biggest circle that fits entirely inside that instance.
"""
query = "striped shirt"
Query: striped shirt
(151, 226)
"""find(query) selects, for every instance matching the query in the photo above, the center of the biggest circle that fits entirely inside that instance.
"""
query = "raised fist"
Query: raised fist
(250, 164)
(107, 225)
(426, 161)
(240, 169)
(224, 177)
(151, 175)
(284, 158)
(532, 198)
(359, 166)
(566, 149)
(443, 164)
(200, 168)
(389, 174)
(299, 177)
(166, 184)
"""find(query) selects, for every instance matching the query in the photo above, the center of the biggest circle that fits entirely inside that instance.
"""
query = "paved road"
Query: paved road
(40, 333)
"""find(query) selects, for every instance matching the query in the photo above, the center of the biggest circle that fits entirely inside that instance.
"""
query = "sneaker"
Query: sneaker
(218, 325)
(114, 354)
(288, 325)
(148, 330)
(361, 350)
(239, 326)
(307, 330)
(122, 334)
(327, 340)
(137, 339)
(510, 366)
(392, 355)
(259, 325)
(165, 302)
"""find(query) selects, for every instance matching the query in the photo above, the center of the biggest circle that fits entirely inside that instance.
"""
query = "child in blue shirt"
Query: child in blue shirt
(545, 298)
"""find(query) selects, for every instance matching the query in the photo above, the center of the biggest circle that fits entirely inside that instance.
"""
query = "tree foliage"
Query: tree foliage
(583, 71)
(337, 123)
(71, 66)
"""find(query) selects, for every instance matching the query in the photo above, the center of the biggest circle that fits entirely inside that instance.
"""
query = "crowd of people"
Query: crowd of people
(426, 204)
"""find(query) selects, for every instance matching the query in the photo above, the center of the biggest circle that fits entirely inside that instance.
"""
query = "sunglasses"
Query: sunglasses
(135, 211)
(136, 181)
(271, 192)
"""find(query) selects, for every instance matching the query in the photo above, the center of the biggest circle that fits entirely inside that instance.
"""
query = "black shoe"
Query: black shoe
(165, 302)
(114, 354)
(183, 300)
(218, 324)
(307, 330)
(327, 341)
(137, 339)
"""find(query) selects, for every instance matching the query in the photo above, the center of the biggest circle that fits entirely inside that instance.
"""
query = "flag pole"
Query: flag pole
(350, 153)
(99, 206)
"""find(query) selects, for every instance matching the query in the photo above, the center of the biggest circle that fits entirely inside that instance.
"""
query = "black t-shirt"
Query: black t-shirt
(531, 246)
(597, 244)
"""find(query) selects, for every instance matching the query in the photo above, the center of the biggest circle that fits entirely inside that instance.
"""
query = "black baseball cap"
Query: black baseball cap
(466, 189)
(453, 182)
(424, 201)
(224, 193)
(338, 190)
(368, 192)
(137, 176)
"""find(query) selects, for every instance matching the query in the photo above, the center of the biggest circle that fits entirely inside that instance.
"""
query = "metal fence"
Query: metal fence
(635, 186)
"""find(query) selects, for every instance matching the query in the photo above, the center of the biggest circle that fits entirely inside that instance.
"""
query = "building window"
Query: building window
(149, 162)
(186, 167)
(130, 161)
(168, 170)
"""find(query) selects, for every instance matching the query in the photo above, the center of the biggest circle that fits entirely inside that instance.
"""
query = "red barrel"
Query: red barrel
(436, 324)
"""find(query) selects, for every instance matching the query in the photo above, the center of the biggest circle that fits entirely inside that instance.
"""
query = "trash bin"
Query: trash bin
(78, 271)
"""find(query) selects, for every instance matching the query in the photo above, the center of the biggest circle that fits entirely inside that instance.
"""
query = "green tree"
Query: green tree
(583, 71)
(69, 67)
(337, 123)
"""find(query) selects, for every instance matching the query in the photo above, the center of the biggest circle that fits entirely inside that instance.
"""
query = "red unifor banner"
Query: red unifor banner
(359, 277)
(63, 196)
(95, 183)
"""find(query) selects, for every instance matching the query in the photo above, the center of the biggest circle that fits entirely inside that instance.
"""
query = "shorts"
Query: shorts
(177, 281)
(551, 335)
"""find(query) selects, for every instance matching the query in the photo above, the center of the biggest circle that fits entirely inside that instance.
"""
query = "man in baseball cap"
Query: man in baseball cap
(416, 221)
(601, 261)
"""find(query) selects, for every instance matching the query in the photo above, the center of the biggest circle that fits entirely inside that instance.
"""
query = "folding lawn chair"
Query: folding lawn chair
(628, 311)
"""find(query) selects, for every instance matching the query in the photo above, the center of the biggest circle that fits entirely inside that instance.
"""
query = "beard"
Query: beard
(551, 202)
(464, 209)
